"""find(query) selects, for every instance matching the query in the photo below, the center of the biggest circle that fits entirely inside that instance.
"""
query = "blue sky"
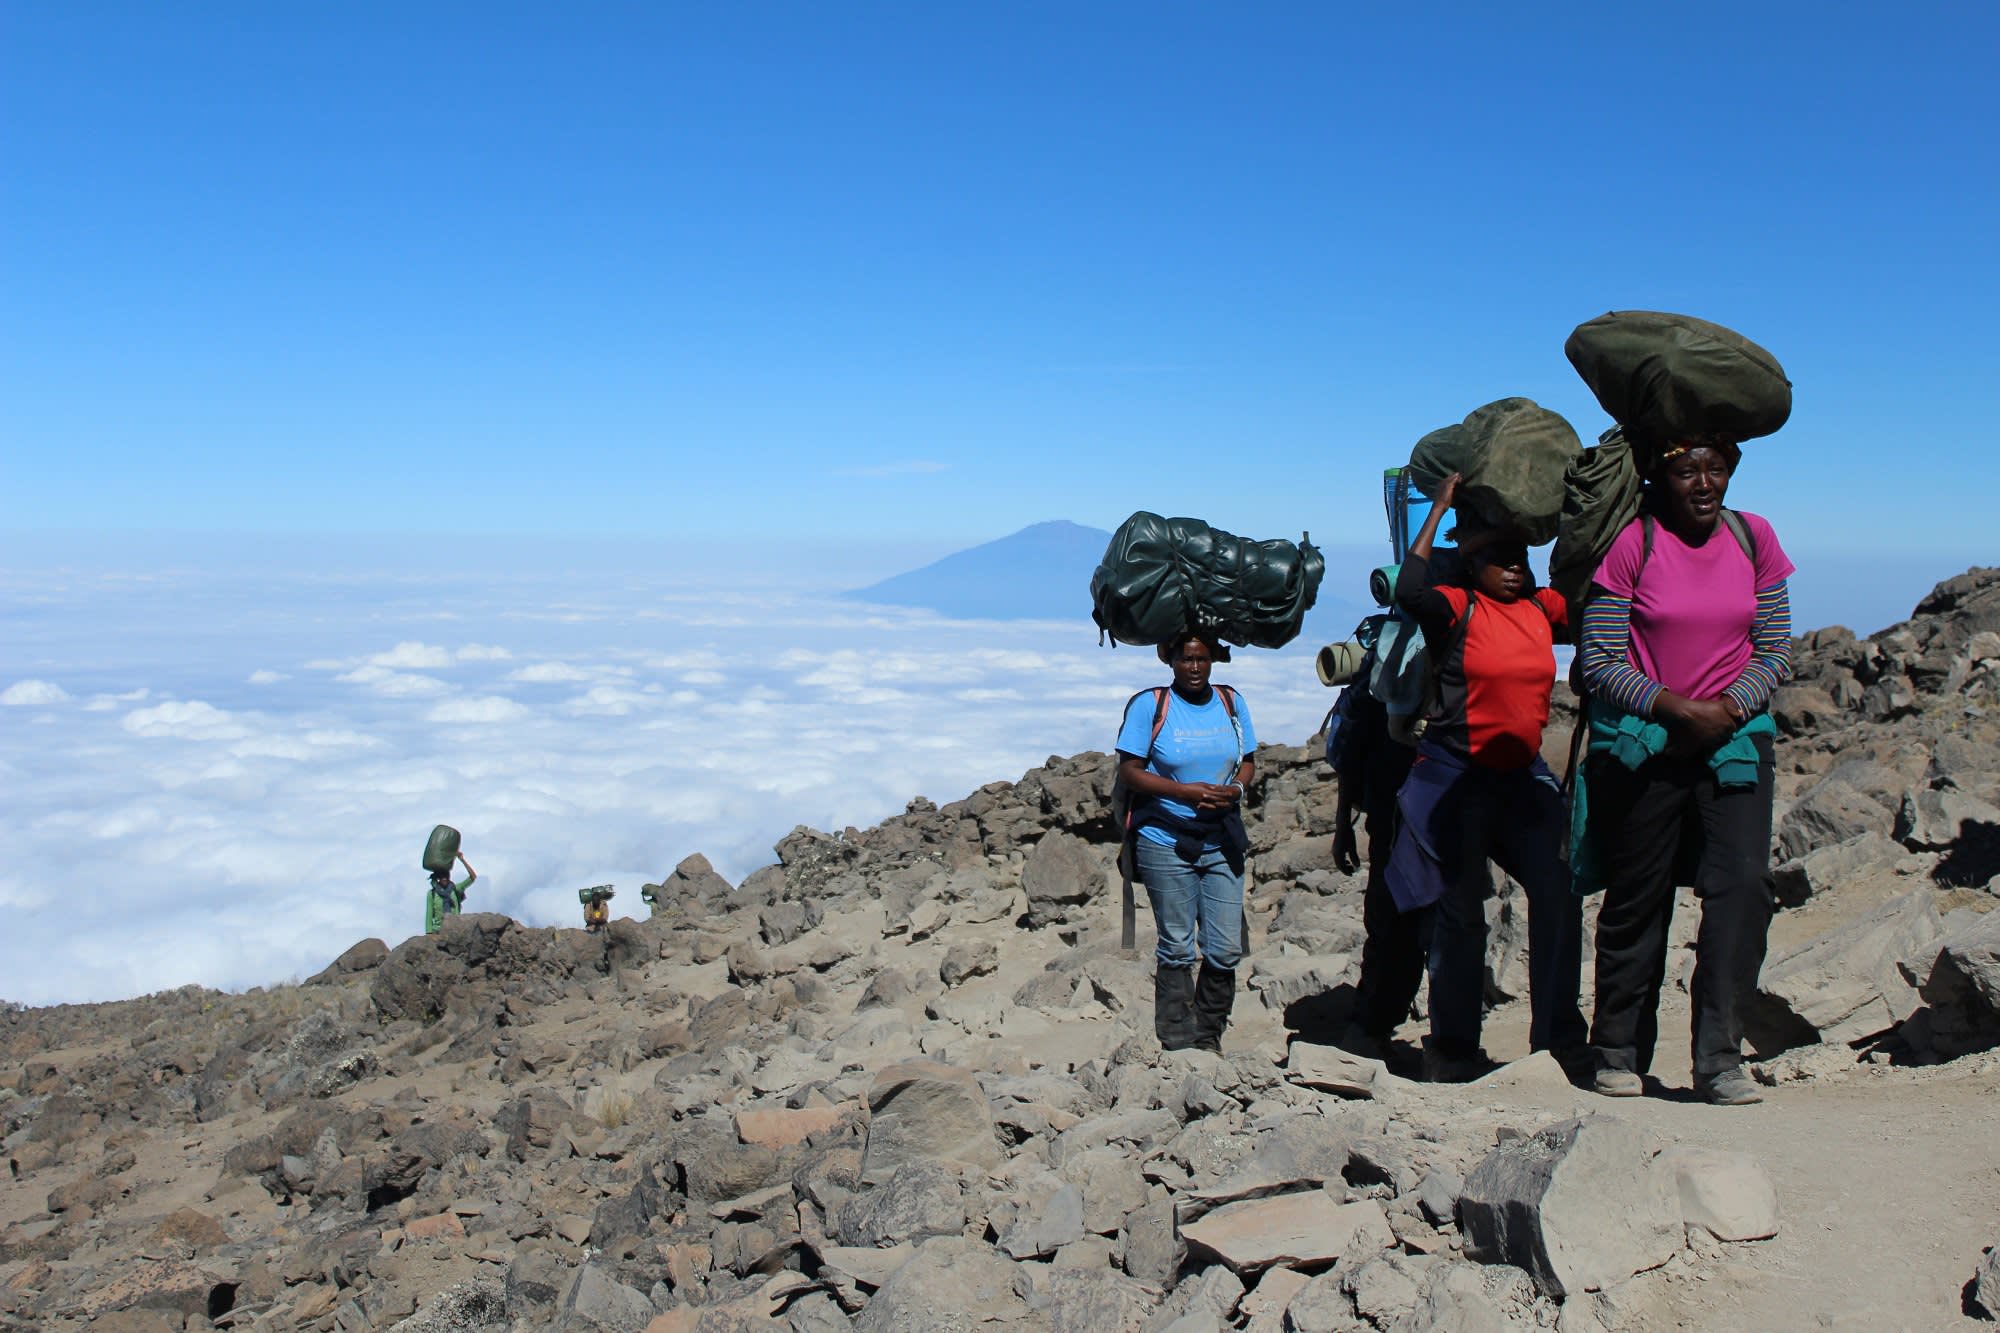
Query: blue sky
(929, 273)
(424, 412)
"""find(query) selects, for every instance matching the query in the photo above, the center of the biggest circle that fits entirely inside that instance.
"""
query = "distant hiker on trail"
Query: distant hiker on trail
(1686, 635)
(1478, 791)
(445, 897)
(1184, 752)
(1370, 772)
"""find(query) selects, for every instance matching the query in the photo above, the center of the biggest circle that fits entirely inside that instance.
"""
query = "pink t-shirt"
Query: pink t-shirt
(1694, 605)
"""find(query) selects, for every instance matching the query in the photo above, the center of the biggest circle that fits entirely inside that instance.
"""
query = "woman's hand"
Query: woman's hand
(1699, 725)
(1447, 494)
(1210, 796)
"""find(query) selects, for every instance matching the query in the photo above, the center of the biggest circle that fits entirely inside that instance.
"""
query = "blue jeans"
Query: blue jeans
(1516, 822)
(1199, 901)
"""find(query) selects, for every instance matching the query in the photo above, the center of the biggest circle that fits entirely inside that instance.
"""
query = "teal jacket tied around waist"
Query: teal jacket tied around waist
(1632, 740)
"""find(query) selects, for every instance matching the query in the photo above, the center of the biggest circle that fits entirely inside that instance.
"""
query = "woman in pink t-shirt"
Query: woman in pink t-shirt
(1685, 637)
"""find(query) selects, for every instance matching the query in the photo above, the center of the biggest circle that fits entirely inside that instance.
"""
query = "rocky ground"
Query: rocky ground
(905, 1079)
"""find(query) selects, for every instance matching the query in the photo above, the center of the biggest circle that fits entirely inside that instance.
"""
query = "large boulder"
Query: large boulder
(1962, 993)
(1851, 983)
(693, 883)
(1580, 1206)
(1062, 873)
(924, 1110)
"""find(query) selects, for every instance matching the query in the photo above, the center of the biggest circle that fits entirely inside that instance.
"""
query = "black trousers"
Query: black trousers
(1671, 812)
(1398, 944)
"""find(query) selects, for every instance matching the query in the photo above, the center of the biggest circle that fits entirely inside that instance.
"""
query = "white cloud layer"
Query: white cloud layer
(248, 787)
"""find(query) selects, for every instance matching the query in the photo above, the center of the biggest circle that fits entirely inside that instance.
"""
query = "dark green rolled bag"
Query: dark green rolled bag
(1512, 453)
(442, 849)
(1600, 496)
(1163, 576)
(1668, 378)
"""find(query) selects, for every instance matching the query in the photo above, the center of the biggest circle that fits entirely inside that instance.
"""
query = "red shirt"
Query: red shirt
(1494, 679)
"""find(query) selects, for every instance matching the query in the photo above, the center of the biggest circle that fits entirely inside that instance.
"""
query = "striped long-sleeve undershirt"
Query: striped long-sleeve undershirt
(1606, 652)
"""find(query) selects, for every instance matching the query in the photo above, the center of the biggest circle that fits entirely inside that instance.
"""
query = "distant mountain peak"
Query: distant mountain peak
(1041, 572)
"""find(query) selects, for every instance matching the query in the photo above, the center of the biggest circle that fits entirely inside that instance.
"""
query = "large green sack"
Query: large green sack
(1667, 378)
(1600, 496)
(1513, 454)
(1163, 576)
(442, 849)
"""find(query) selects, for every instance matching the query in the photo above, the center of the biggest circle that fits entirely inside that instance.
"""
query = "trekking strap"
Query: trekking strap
(1434, 690)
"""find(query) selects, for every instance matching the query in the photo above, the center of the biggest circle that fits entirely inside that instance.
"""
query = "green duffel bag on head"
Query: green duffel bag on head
(1672, 378)
(1163, 576)
(1512, 453)
(442, 849)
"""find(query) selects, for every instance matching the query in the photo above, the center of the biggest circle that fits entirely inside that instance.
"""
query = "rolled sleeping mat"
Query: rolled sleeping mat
(1382, 584)
(1338, 663)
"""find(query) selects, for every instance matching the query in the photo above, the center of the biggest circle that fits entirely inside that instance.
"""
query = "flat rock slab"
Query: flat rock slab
(1724, 1192)
(867, 1265)
(1538, 1074)
(1331, 1069)
(1579, 1206)
(1308, 1228)
(780, 1128)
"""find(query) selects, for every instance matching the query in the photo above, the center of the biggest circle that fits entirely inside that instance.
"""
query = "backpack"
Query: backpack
(1601, 495)
(1404, 679)
(1122, 818)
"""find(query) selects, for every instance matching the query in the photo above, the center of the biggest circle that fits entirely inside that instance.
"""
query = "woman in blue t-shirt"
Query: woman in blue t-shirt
(1185, 755)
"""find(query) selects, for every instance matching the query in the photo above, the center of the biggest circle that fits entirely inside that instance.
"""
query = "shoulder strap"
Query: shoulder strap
(1730, 519)
(1434, 696)
(1159, 693)
(1228, 698)
(1741, 532)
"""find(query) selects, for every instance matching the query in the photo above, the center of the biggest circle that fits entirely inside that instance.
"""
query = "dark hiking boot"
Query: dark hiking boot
(1173, 1007)
(1214, 997)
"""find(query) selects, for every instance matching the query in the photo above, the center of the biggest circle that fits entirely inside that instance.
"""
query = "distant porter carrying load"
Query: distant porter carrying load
(444, 897)
(1165, 576)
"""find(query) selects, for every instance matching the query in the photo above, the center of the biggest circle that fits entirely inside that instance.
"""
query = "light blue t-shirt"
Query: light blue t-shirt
(1196, 744)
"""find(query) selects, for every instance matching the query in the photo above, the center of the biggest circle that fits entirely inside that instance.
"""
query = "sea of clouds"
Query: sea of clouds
(226, 776)
(221, 768)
